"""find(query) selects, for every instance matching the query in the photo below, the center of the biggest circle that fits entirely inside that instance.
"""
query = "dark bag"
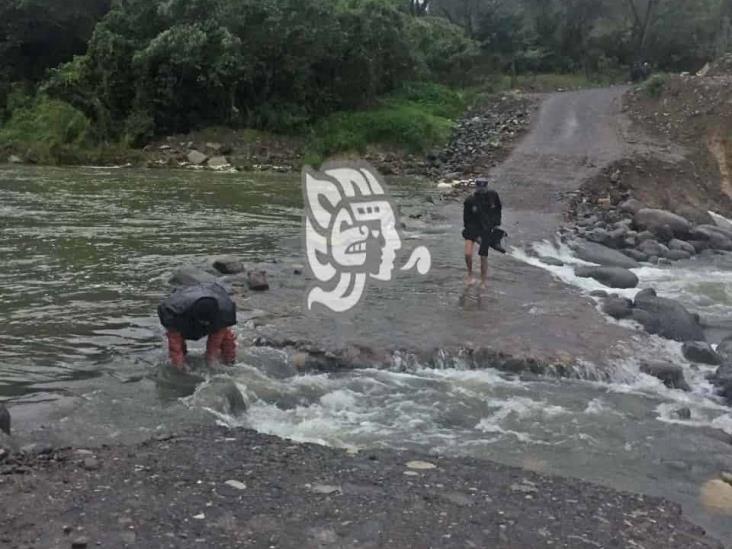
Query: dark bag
(495, 238)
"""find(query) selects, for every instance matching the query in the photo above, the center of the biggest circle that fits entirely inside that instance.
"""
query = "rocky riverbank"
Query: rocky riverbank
(221, 488)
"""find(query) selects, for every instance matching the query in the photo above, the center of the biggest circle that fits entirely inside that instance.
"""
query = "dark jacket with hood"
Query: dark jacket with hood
(176, 312)
(482, 213)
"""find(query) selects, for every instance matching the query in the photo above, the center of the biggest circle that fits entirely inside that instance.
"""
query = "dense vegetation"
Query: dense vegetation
(111, 71)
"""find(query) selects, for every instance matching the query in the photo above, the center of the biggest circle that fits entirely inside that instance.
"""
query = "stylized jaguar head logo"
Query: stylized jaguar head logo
(351, 234)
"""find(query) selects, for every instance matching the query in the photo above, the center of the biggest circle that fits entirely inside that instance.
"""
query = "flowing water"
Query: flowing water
(85, 257)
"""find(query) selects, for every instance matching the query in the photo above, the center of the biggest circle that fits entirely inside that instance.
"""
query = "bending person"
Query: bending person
(194, 312)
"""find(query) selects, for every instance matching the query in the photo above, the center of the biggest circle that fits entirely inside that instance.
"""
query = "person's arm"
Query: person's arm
(499, 211)
(177, 349)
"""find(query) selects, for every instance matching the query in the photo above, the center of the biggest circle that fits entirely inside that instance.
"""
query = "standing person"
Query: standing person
(194, 312)
(482, 215)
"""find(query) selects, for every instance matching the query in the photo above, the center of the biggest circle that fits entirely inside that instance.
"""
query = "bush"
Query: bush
(656, 85)
(416, 118)
(47, 121)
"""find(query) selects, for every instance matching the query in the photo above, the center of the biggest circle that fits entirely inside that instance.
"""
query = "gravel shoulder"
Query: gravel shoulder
(221, 488)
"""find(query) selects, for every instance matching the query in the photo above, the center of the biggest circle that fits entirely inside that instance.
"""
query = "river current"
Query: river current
(84, 258)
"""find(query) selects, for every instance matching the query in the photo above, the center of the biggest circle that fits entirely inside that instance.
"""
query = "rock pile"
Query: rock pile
(479, 141)
(646, 234)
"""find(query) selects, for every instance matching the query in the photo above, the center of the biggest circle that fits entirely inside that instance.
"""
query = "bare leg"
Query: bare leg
(483, 271)
(469, 245)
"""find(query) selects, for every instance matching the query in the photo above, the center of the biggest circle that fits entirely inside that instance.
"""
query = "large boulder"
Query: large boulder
(716, 238)
(653, 248)
(676, 244)
(190, 276)
(4, 419)
(602, 255)
(701, 352)
(197, 158)
(666, 318)
(671, 375)
(617, 307)
(650, 219)
(612, 277)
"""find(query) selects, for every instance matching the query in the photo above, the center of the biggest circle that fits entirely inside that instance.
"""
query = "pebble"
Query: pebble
(421, 465)
(91, 464)
(236, 484)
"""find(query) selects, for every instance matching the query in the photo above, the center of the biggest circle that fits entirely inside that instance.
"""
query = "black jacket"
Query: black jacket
(482, 213)
(175, 312)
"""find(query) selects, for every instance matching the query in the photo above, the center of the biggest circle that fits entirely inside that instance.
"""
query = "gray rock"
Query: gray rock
(630, 242)
(676, 244)
(4, 419)
(724, 350)
(257, 281)
(695, 215)
(722, 379)
(631, 206)
(80, 543)
(600, 236)
(218, 162)
(189, 276)
(552, 261)
(599, 293)
(91, 464)
(666, 318)
(699, 245)
(646, 235)
(677, 255)
(671, 375)
(602, 255)
(228, 265)
(8, 445)
(683, 413)
(721, 223)
(654, 259)
(613, 277)
(222, 395)
(651, 248)
(701, 352)
(715, 238)
(13, 159)
(663, 233)
(197, 158)
(588, 221)
(650, 219)
(636, 255)
(618, 307)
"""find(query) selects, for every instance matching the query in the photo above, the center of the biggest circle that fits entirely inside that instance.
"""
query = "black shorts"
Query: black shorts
(482, 239)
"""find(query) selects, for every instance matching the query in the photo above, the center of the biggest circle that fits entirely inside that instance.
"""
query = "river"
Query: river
(85, 257)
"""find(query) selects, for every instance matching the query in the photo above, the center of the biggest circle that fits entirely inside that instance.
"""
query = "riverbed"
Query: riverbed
(86, 254)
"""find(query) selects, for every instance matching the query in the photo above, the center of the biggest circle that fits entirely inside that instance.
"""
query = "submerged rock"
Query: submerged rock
(701, 352)
(228, 265)
(602, 255)
(671, 375)
(221, 395)
(4, 419)
(189, 276)
(722, 379)
(667, 318)
(613, 277)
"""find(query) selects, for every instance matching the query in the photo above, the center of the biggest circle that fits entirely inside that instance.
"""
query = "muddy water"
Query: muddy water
(84, 258)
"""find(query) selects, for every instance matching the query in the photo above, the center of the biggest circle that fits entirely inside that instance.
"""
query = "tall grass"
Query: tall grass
(416, 118)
